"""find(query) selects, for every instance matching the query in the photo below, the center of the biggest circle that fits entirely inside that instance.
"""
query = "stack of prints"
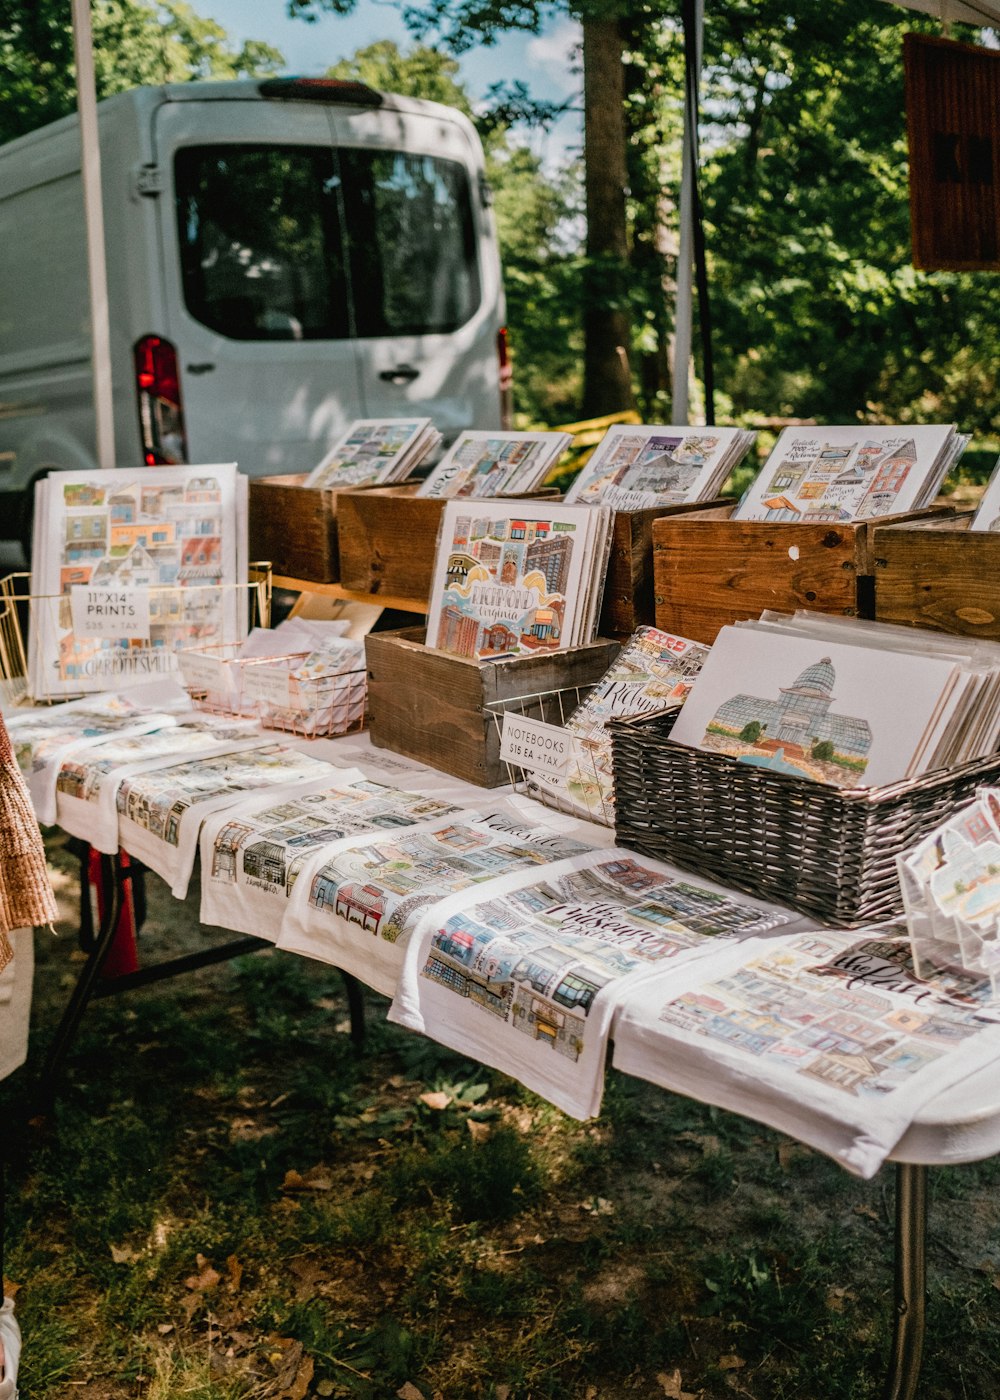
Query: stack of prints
(807, 695)
(841, 474)
(653, 672)
(517, 579)
(951, 893)
(375, 452)
(482, 464)
(987, 516)
(638, 467)
(130, 567)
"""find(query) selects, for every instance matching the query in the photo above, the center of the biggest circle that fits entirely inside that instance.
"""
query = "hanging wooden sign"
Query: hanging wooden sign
(953, 125)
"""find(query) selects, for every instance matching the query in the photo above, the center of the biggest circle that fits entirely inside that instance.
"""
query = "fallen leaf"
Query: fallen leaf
(478, 1131)
(598, 1206)
(408, 1391)
(789, 1152)
(10, 1288)
(325, 1388)
(206, 1277)
(317, 1178)
(672, 1386)
(234, 1273)
(867, 1212)
(502, 1392)
(165, 1329)
(299, 1388)
(124, 1254)
(729, 1362)
(436, 1099)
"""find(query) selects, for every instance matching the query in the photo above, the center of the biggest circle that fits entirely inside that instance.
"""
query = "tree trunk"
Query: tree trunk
(607, 380)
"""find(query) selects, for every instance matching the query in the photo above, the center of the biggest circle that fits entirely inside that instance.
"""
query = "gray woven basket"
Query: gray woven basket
(820, 849)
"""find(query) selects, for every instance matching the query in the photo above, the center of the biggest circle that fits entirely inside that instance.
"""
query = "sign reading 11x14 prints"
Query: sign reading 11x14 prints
(131, 567)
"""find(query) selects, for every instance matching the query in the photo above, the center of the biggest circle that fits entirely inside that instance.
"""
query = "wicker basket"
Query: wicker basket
(823, 850)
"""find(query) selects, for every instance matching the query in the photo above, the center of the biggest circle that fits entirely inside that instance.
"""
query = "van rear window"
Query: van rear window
(313, 243)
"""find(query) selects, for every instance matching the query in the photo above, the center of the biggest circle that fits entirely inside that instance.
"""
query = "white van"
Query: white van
(283, 256)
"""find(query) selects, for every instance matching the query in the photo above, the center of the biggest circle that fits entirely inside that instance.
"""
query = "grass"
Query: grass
(227, 1202)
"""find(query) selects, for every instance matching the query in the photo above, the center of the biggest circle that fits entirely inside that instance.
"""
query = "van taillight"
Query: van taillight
(506, 379)
(158, 386)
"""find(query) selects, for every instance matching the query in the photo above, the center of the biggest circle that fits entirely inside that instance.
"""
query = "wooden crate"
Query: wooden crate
(629, 594)
(939, 574)
(388, 538)
(434, 707)
(710, 571)
(295, 527)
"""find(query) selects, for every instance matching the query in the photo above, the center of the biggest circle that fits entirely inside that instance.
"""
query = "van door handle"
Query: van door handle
(202, 368)
(402, 374)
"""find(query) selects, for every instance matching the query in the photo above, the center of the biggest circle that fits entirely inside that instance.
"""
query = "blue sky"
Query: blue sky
(545, 62)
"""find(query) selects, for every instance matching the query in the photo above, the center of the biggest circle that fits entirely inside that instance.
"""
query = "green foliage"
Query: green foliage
(134, 43)
(751, 731)
(822, 750)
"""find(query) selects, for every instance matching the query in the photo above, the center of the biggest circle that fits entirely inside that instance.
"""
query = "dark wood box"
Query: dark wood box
(710, 571)
(294, 527)
(388, 538)
(939, 574)
(435, 707)
(629, 594)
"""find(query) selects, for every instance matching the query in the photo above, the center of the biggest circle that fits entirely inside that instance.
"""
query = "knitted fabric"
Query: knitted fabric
(26, 896)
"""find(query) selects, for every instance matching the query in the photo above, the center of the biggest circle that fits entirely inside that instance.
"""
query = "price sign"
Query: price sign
(110, 612)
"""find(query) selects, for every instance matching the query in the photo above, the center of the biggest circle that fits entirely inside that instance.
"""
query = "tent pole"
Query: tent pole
(90, 169)
(685, 257)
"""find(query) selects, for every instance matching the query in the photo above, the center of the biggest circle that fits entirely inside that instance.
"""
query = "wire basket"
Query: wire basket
(193, 606)
(319, 707)
(216, 677)
(266, 688)
(582, 790)
(823, 850)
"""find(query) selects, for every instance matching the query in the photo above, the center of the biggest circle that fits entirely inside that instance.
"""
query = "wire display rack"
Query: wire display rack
(194, 606)
(581, 789)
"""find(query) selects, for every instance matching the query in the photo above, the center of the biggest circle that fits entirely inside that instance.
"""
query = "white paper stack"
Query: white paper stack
(855, 472)
(376, 451)
(951, 894)
(855, 704)
(516, 578)
(987, 516)
(635, 467)
(482, 464)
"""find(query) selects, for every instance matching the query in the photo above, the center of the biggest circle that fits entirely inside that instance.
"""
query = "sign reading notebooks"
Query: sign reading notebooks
(953, 126)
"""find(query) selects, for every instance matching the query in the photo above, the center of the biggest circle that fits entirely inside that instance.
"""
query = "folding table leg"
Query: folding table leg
(356, 1008)
(910, 1297)
(113, 878)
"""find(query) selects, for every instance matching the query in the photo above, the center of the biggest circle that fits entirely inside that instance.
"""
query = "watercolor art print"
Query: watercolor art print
(819, 475)
(372, 450)
(506, 584)
(636, 467)
(171, 530)
(813, 709)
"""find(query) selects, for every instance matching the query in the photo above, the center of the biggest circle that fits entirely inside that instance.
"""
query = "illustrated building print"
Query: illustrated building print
(505, 586)
(793, 725)
(826, 482)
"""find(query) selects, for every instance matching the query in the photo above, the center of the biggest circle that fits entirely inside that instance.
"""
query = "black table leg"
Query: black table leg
(112, 877)
(910, 1298)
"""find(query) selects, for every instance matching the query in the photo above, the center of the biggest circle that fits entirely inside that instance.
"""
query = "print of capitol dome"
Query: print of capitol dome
(816, 679)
